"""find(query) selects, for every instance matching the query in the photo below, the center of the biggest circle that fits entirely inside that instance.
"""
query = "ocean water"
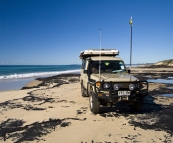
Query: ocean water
(161, 80)
(28, 71)
(14, 84)
(14, 77)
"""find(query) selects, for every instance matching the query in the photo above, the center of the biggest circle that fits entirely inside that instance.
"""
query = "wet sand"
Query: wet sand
(33, 83)
(54, 111)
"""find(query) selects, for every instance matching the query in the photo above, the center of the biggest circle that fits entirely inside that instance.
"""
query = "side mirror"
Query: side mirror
(129, 71)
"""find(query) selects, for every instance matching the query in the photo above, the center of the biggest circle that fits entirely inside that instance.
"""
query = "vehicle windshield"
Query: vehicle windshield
(107, 67)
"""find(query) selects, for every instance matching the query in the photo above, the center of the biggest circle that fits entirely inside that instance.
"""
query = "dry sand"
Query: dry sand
(56, 112)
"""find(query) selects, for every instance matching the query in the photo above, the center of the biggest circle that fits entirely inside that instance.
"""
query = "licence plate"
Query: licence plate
(122, 93)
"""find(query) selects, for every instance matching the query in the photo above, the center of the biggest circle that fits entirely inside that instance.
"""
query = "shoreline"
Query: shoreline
(53, 108)
(141, 72)
(19, 83)
(32, 84)
(15, 84)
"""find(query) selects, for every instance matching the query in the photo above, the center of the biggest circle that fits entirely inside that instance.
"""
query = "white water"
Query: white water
(35, 75)
(16, 82)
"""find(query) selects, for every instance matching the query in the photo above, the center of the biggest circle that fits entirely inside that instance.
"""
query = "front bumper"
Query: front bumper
(111, 94)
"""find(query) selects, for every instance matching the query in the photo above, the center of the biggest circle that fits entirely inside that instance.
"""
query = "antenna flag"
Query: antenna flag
(130, 22)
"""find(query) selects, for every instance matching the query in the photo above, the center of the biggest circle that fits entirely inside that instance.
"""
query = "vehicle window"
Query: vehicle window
(121, 65)
(83, 64)
(94, 67)
(108, 66)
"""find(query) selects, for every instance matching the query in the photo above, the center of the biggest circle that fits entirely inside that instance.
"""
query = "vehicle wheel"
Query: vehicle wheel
(94, 105)
(82, 91)
(137, 105)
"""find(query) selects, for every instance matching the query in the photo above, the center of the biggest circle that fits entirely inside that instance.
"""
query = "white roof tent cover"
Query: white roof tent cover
(97, 52)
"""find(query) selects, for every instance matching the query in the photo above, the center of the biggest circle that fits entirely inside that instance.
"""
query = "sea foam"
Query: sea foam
(39, 74)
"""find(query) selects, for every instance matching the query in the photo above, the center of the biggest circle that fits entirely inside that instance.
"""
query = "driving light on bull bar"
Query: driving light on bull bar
(100, 94)
(131, 86)
(116, 86)
(98, 84)
(106, 85)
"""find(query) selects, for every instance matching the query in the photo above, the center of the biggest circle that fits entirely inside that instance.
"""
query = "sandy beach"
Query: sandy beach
(53, 110)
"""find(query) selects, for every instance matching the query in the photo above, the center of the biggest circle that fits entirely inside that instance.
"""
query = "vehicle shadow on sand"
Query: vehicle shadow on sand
(120, 108)
(153, 116)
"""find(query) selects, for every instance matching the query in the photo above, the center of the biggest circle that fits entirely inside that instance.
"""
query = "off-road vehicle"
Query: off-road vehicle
(106, 80)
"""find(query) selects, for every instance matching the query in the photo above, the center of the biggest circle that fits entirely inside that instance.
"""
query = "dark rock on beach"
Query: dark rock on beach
(57, 79)
(60, 79)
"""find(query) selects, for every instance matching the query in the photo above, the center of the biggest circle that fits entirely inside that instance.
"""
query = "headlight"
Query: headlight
(98, 84)
(116, 86)
(106, 85)
(131, 86)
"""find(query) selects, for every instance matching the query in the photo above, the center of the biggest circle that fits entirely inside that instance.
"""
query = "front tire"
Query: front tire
(94, 104)
(83, 91)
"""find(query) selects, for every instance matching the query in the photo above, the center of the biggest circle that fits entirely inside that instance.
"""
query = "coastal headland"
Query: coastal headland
(52, 110)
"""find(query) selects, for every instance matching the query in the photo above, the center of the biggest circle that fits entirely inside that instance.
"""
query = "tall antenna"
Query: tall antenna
(100, 56)
(130, 45)
(130, 42)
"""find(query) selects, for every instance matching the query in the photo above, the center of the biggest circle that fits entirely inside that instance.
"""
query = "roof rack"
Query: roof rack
(97, 52)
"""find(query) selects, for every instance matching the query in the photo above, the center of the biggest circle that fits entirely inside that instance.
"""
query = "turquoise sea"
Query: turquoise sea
(14, 77)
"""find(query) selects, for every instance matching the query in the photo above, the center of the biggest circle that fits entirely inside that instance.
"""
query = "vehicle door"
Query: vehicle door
(84, 75)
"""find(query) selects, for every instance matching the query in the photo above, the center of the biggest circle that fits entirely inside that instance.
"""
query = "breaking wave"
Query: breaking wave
(39, 74)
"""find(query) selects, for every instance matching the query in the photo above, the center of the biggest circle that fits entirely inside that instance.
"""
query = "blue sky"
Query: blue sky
(55, 31)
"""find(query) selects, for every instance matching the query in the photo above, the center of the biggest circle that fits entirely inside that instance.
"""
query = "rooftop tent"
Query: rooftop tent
(98, 52)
